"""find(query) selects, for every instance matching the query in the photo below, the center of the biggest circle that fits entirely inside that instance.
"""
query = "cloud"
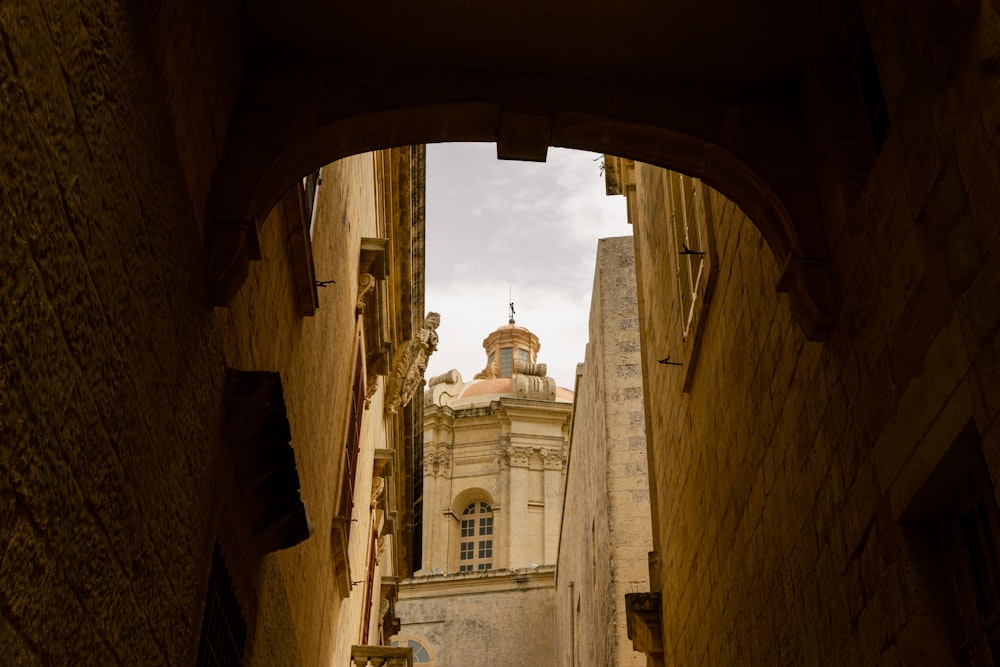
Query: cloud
(531, 228)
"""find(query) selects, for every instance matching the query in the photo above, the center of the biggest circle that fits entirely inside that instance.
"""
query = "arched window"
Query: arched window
(475, 548)
(420, 654)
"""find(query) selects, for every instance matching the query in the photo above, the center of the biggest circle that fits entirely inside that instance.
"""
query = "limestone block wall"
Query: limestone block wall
(606, 532)
(263, 330)
(497, 618)
(114, 485)
(110, 356)
(782, 477)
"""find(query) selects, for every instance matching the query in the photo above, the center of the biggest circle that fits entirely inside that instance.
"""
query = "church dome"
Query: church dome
(511, 372)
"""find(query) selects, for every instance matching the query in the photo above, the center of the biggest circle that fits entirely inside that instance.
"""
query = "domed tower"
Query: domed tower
(511, 369)
(494, 457)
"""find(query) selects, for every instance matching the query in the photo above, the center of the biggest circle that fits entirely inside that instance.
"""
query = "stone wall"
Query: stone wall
(501, 617)
(111, 369)
(114, 484)
(606, 532)
(784, 473)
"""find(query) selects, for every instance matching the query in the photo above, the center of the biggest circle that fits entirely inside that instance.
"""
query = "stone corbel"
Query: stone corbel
(366, 284)
(378, 488)
(643, 620)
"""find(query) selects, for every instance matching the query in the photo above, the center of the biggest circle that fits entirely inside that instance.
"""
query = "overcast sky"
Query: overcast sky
(532, 228)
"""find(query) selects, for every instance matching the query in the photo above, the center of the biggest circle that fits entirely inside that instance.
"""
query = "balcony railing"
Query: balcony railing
(382, 656)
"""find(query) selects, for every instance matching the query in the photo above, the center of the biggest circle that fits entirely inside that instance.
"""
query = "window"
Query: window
(475, 550)
(522, 355)
(689, 204)
(506, 362)
(352, 444)
(690, 239)
(420, 654)
(223, 628)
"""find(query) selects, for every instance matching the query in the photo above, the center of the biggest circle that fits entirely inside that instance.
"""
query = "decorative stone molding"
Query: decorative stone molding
(378, 488)
(380, 548)
(437, 461)
(534, 387)
(491, 371)
(366, 283)
(527, 368)
(443, 462)
(553, 459)
(451, 377)
(408, 372)
(519, 456)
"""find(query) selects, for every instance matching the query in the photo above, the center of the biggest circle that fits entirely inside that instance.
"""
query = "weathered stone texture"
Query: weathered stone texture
(499, 617)
(106, 342)
(112, 360)
(780, 477)
(606, 533)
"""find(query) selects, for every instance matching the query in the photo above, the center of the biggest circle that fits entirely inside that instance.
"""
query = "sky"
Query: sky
(527, 229)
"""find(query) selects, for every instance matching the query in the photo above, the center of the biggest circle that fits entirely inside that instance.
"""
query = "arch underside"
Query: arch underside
(746, 142)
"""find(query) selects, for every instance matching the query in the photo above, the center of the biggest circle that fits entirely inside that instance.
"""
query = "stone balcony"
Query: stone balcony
(382, 656)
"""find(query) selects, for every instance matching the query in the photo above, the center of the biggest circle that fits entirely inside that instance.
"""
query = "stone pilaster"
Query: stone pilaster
(554, 461)
(520, 458)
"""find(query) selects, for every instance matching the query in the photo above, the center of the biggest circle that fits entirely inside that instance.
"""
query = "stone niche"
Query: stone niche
(257, 431)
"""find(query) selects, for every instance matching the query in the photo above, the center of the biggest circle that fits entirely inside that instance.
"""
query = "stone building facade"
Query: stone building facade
(605, 532)
(494, 455)
(240, 455)
(800, 462)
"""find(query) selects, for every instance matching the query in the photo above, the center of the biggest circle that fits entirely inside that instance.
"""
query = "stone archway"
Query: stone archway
(746, 99)
(255, 175)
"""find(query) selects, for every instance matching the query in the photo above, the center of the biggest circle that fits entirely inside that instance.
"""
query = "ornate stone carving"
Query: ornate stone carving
(553, 459)
(491, 371)
(443, 462)
(380, 549)
(371, 386)
(437, 461)
(408, 373)
(366, 283)
(378, 488)
(519, 456)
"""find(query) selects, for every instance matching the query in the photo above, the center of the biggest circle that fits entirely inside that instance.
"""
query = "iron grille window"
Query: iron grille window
(223, 628)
